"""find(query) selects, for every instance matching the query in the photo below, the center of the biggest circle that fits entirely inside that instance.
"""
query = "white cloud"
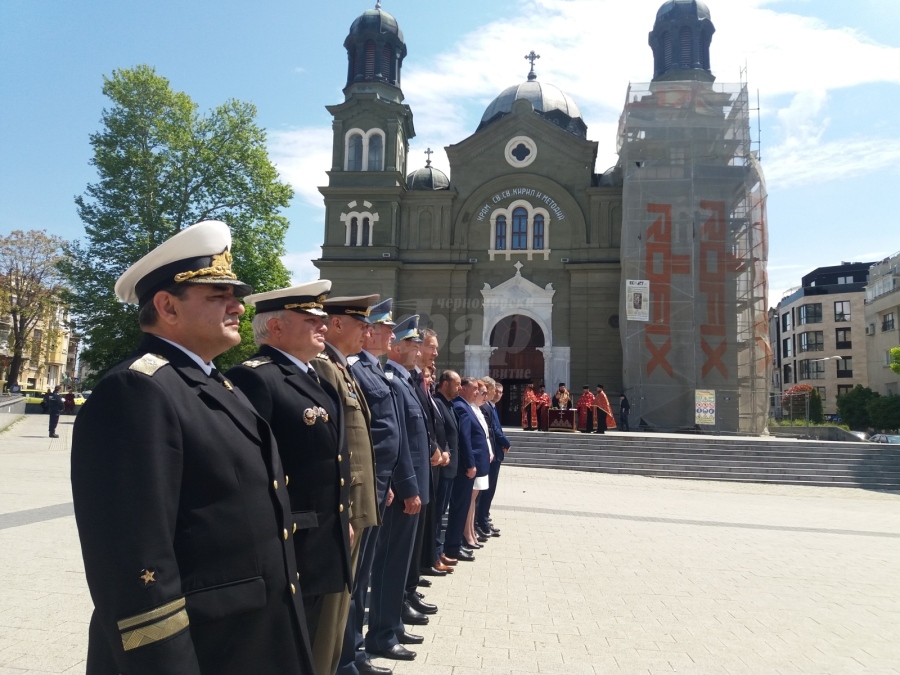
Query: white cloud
(302, 156)
(300, 265)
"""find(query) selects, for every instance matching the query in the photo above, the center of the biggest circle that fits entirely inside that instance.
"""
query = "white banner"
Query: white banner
(637, 300)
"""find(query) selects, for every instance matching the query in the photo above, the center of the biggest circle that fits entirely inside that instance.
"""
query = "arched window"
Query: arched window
(354, 152)
(538, 235)
(366, 232)
(685, 38)
(500, 234)
(376, 153)
(370, 59)
(354, 230)
(386, 54)
(667, 50)
(520, 230)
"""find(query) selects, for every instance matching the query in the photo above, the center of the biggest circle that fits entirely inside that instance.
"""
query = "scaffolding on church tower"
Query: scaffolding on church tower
(694, 233)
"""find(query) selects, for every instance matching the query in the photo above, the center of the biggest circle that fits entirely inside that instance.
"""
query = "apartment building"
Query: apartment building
(820, 333)
(882, 314)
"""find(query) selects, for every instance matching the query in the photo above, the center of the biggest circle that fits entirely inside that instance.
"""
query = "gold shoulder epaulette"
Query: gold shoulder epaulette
(148, 364)
(323, 356)
(257, 362)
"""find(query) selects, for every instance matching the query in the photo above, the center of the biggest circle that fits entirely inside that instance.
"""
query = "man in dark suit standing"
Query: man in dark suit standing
(392, 463)
(55, 406)
(474, 459)
(389, 611)
(305, 416)
(500, 442)
(447, 390)
(178, 488)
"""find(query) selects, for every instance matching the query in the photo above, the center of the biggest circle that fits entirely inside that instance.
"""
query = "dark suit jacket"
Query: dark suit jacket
(173, 479)
(473, 443)
(306, 421)
(413, 417)
(499, 438)
(451, 434)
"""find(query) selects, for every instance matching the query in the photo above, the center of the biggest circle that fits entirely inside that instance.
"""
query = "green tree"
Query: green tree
(30, 288)
(162, 166)
(853, 407)
(884, 412)
(895, 359)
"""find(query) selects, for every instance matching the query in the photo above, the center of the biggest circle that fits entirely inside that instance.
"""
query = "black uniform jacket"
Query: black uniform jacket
(306, 421)
(451, 431)
(186, 540)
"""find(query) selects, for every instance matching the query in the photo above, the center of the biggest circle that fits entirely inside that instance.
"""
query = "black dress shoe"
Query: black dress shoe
(420, 595)
(412, 617)
(474, 546)
(466, 548)
(398, 652)
(432, 572)
(481, 537)
(409, 639)
(464, 555)
(482, 532)
(369, 668)
(420, 605)
(424, 583)
(494, 530)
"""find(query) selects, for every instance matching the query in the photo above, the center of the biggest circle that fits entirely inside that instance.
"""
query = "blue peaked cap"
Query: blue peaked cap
(408, 329)
(381, 313)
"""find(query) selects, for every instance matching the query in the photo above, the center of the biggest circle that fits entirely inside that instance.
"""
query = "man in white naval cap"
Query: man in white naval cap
(306, 418)
(185, 532)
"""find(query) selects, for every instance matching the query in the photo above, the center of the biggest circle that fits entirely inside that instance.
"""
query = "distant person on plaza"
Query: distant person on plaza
(543, 409)
(55, 405)
(624, 411)
(602, 412)
(45, 406)
(69, 400)
(585, 409)
(447, 390)
(185, 528)
(562, 399)
(500, 445)
(529, 409)
(305, 415)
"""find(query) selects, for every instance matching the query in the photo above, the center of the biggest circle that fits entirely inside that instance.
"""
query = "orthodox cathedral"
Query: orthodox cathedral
(648, 278)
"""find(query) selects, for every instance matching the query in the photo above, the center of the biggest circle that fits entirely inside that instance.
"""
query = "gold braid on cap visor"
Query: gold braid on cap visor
(308, 305)
(220, 266)
(354, 311)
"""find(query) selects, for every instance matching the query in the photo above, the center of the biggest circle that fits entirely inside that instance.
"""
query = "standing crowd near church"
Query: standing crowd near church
(594, 414)
(246, 522)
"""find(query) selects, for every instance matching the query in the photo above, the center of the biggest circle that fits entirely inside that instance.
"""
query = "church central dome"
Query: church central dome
(548, 101)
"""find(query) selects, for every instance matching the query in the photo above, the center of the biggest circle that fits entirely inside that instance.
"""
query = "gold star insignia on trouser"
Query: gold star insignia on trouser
(148, 576)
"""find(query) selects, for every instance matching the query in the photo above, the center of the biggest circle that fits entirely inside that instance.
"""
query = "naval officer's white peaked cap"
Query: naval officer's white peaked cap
(199, 254)
(305, 298)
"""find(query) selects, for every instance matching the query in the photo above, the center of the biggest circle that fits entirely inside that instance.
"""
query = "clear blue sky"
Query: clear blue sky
(828, 72)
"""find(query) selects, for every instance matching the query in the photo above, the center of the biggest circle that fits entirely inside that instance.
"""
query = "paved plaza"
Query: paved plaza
(593, 573)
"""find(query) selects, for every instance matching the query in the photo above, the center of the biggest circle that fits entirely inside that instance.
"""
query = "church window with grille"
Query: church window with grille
(667, 50)
(354, 152)
(538, 237)
(376, 152)
(685, 47)
(520, 230)
(500, 236)
(370, 59)
(386, 54)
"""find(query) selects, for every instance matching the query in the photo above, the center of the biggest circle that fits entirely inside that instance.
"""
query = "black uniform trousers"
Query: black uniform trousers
(445, 486)
(393, 555)
(460, 501)
(353, 650)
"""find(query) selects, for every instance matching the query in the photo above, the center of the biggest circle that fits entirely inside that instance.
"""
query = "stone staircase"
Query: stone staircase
(745, 459)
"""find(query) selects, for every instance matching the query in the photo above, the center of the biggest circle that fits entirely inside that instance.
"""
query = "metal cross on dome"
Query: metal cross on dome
(532, 57)
(428, 152)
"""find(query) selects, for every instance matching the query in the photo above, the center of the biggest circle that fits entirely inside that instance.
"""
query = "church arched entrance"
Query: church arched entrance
(515, 362)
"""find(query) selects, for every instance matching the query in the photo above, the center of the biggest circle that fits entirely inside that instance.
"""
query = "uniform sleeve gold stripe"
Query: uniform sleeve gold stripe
(146, 635)
(152, 615)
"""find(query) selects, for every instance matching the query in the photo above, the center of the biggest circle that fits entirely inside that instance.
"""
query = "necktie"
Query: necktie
(313, 374)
